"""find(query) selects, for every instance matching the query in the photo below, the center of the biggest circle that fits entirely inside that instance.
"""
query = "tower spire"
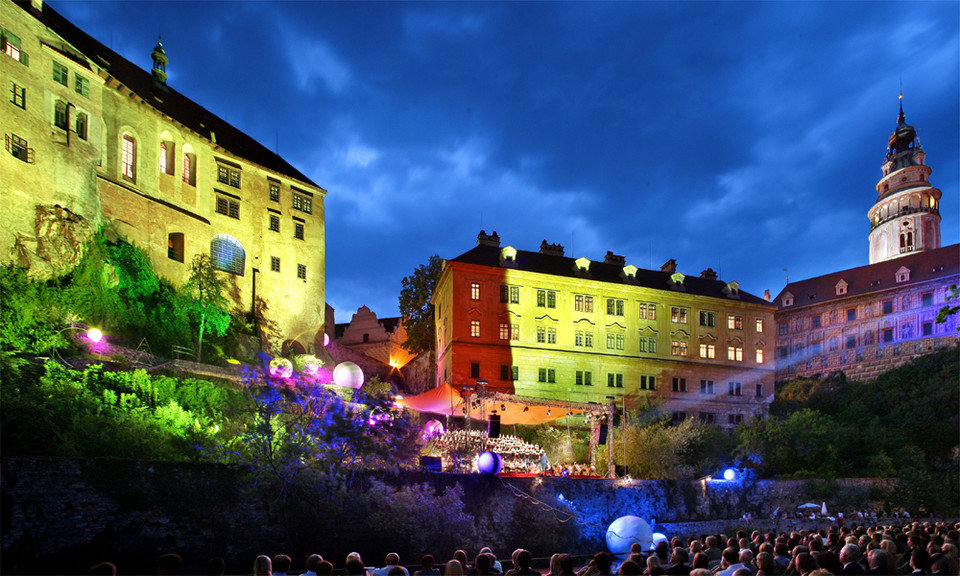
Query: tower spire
(159, 57)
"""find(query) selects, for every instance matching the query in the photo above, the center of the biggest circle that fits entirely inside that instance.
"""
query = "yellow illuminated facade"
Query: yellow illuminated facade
(543, 325)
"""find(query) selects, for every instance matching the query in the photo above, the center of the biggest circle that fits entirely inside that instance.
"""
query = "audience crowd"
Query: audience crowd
(914, 548)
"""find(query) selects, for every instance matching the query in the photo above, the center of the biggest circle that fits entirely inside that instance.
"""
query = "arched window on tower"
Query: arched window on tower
(167, 148)
(189, 165)
(227, 254)
(128, 157)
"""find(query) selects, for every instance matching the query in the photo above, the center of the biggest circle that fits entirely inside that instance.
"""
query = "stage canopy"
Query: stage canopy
(446, 400)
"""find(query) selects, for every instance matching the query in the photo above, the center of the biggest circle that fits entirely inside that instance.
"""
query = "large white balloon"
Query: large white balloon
(348, 374)
(627, 530)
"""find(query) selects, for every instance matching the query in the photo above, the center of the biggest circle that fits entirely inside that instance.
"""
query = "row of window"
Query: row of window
(275, 267)
(614, 306)
(226, 254)
(851, 341)
(886, 307)
(706, 418)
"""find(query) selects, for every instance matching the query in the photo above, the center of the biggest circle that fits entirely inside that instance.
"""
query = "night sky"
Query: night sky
(746, 137)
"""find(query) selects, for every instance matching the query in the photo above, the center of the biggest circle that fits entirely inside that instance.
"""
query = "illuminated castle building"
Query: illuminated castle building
(94, 142)
(869, 319)
(539, 324)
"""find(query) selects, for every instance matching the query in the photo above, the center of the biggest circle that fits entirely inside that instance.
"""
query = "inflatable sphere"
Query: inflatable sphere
(326, 340)
(489, 463)
(627, 530)
(657, 538)
(348, 374)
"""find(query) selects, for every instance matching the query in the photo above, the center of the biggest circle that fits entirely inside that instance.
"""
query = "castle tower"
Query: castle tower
(159, 57)
(906, 217)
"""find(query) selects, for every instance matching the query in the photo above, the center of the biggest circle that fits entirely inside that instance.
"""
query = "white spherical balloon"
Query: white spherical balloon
(627, 530)
(348, 374)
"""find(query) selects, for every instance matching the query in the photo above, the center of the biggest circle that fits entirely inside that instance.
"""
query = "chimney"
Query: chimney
(670, 266)
(766, 294)
(491, 240)
(708, 274)
(614, 259)
(551, 249)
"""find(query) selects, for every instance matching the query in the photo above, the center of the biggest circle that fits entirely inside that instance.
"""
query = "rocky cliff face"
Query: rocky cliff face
(57, 246)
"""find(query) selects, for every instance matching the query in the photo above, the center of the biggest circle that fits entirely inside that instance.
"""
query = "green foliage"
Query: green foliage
(415, 307)
(31, 316)
(208, 305)
(55, 411)
(660, 450)
(949, 310)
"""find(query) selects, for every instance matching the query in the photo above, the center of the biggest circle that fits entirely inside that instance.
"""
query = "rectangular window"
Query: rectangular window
(652, 345)
(514, 372)
(926, 299)
(166, 157)
(735, 418)
(679, 384)
(514, 331)
(81, 85)
(648, 382)
(128, 158)
(302, 271)
(18, 148)
(614, 307)
(708, 417)
(228, 207)
(274, 223)
(735, 353)
(614, 380)
(60, 115)
(815, 348)
(189, 169)
(18, 95)
(578, 338)
(759, 325)
(12, 48)
(541, 334)
(610, 342)
(759, 355)
(81, 126)
(888, 307)
(504, 331)
(708, 318)
(274, 264)
(851, 314)
(504, 292)
(514, 294)
(708, 351)
(734, 388)
(643, 344)
(60, 73)
(735, 322)
(551, 299)
(588, 339)
(504, 372)
(298, 230)
(706, 386)
(228, 176)
(759, 390)
(814, 322)
(851, 341)
(551, 335)
(584, 378)
(927, 328)
(302, 203)
(474, 369)
(678, 315)
(782, 328)
(274, 192)
(475, 328)
(648, 311)
(474, 290)
(578, 303)
(588, 303)
(547, 375)
(888, 334)
(620, 341)
(678, 348)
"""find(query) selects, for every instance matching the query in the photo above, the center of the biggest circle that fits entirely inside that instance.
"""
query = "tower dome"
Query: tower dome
(159, 57)
(906, 215)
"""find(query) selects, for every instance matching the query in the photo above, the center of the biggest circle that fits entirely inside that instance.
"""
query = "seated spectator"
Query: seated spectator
(312, 561)
(495, 566)
(920, 561)
(654, 566)
(566, 565)
(880, 562)
(262, 566)
(281, 565)
(554, 565)
(461, 557)
(354, 565)
(453, 568)
(482, 564)
(324, 568)
(103, 569)
(805, 563)
(392, 560)
(169, 564)
(701, 560)
(678, 562)
(765, 565)
(427, 567)
(630, 568)
(523, 561)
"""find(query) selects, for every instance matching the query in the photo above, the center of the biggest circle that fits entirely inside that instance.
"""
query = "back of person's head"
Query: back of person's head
(742, 572)
(711, 541)
(427, 562)
(324, 568)
(920, 560)
(216, 567)
(662, 550)
(701, 560)
(731, 555)
(392, 559)
(354, 556)
(312, 561)
(566, 564)
(701, 572)
(555, 563)
(524, 558)
(629, 567)
(461, 557)
(396, 571)
(696, 546)
(636, 548)
(806, 563)
(354, 566)
(483, 562)
(653, 563)
(603, 562)
(745, 556)
(281, 563)
(879, 560)
(262, 566)
(103, 569)
(453, 568)
(849, 553)
(679, 556)
(169, 564)
(766, 563)
(829, 561)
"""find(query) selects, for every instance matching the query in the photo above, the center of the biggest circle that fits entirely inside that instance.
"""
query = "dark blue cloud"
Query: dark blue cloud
(746, 136)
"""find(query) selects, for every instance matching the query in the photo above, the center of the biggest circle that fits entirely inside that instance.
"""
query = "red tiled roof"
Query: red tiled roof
(924, 266)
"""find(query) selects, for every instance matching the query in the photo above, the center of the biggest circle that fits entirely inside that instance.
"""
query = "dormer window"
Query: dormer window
(787, 299)
(903, 274)
(630, 271)
(582, 266)
(508, 254)
(732, 289)
(841, 287)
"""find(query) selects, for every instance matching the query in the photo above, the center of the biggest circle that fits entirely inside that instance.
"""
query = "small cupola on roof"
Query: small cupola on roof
(615, 259)
(902, 141)
(551, 249)
(508, 256)
(670, 266)
(492, 240)
(159, 57)
(708, 274)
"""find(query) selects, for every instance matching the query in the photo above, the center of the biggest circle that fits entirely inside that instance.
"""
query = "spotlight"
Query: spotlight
(729, 474)
(95, 335)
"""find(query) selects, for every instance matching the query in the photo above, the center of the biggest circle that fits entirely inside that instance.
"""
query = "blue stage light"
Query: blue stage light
(729, 474)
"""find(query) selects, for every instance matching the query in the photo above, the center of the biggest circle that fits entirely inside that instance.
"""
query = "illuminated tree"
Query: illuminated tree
(208, 305)
(415, 306)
